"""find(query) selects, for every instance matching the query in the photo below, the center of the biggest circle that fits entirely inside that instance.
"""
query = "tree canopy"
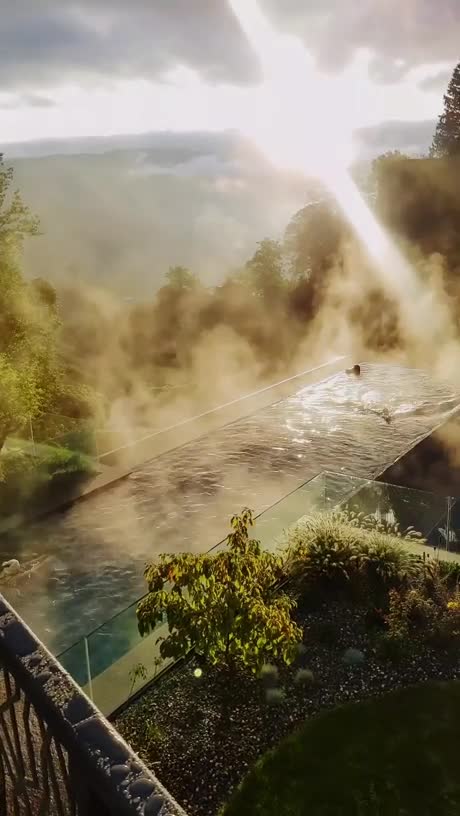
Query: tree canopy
(446, 141)
(27, 319)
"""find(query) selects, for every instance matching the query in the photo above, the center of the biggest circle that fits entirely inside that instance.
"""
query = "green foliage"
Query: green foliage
(27, 324)
(21, 394)
(264, 271)
(340, 550)
(385, 562)
(304, 677)
(449, 571)
(275, 696)
(410, 612)
(428, 611)
(269, 675)
(323, 549)
(181, 278)
(446, 141)
(313, 237)
(138, 672)
(28, 479)
(224, 604)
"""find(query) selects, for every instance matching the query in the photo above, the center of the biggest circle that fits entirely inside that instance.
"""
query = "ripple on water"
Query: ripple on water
(183, 499)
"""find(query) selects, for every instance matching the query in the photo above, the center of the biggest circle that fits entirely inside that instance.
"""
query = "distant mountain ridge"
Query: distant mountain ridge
(118, 211)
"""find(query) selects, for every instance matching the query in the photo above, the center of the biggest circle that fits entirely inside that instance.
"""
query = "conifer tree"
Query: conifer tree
(446, 141)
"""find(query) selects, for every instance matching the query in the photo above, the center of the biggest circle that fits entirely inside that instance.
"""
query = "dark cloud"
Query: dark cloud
(401, 34)
(46, 41)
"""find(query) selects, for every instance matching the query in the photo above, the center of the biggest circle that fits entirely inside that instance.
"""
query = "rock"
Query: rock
(153, 805)
(11, 567)
(353, 657)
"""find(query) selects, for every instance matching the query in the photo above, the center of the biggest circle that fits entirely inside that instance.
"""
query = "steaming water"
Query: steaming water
(182, 500)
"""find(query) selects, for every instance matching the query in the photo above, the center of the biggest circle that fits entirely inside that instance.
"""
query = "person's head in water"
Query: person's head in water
(356, 370)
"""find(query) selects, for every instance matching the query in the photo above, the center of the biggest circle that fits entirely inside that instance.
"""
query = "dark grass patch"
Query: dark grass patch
(202, 735)
(394, 755)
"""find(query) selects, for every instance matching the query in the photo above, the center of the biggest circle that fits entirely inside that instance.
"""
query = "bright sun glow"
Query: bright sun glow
(295, 122)
(298, 126)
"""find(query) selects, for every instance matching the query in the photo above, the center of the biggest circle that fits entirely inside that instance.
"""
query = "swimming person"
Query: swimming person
(385, 414)
(356, 370)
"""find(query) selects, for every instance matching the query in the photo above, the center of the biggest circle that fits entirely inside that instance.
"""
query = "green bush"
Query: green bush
(323, 549)
(28, 480)
(384, 561)
(420, 614)
(341, 550)
(226, 605)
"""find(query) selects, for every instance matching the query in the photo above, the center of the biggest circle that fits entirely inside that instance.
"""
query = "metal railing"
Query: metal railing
(58, 755)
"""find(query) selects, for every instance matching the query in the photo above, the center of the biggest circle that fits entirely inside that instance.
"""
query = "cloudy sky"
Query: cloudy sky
(98, 67)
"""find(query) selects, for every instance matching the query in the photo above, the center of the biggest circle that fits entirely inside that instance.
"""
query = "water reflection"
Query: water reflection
(183, 499)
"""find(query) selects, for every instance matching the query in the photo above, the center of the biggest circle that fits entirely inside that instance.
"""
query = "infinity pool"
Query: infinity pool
(182, 500)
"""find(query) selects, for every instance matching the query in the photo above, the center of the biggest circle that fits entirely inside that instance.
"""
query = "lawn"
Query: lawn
(397, 754)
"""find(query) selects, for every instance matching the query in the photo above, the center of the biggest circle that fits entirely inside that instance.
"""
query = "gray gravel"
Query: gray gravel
(201, 736)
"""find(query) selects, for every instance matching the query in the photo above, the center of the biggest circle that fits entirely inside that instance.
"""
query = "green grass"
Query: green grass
(394, 756)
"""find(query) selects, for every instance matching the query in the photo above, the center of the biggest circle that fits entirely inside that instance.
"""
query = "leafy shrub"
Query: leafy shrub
(269, 675)
(436, 569)
(323, 549)
(275, 696)
(409, 612)
(304, 677)
(27, 479)
(424, 614)
(224, 604)
(19, 463)
(384, 561)
(341, 550)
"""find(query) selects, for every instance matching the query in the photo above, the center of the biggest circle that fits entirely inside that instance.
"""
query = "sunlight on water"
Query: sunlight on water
(183, 499)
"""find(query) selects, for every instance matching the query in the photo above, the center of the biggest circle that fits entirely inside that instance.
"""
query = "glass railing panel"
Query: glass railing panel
(114, 662)
(121, 661)
(75, 660)
(450, 532)
(338, 487)
(392, 506)
(270, 527)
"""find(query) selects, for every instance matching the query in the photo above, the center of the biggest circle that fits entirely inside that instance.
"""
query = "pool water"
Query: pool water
(183, 499)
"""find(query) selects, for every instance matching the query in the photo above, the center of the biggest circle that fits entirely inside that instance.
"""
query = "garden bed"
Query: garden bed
(202, 734)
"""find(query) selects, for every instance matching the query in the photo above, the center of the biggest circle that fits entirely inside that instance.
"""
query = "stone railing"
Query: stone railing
(58, 755)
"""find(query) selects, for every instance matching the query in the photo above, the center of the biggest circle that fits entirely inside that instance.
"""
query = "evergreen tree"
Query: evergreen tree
(446, 141)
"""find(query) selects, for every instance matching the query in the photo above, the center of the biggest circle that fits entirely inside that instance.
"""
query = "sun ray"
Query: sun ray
(301, 131)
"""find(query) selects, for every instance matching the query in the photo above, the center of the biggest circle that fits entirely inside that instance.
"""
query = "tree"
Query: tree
(264, 272)
(27, 323)
(179, 277)
(313, 238)
(446, 141)
(225, 604)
